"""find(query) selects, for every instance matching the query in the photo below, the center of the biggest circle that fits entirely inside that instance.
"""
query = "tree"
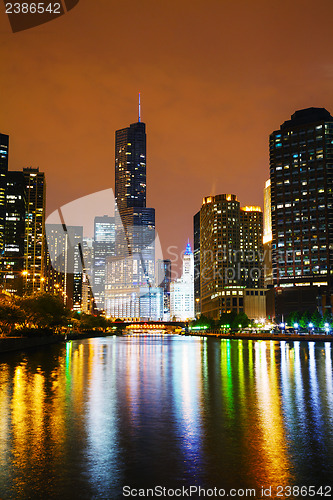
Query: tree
(10, 314)
(317, 319)
(45, 310)
(304, 320)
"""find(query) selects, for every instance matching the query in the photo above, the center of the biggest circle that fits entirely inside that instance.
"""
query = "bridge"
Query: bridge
(149, 325)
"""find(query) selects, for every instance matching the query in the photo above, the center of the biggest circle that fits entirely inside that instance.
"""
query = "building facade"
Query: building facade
(301, 175)
(231, 253)
(163, 280)
(13, 260)
(104, 247)
(133, 266)
(34, 242)
(182, 290)
(196, 256)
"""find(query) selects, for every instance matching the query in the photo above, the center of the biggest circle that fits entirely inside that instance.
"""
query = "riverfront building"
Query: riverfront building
(301, 175)
(231, 253)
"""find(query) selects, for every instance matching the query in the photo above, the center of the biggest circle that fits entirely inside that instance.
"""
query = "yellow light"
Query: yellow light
(251, 209)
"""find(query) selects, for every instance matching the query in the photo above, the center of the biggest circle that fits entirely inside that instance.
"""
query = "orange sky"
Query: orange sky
(216, 77)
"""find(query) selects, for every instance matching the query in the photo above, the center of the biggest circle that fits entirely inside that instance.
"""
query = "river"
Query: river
(85, 419)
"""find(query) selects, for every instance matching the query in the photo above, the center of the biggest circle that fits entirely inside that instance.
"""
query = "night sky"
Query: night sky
(215, 76)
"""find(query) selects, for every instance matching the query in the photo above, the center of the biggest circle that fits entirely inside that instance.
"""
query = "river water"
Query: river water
(85, 419)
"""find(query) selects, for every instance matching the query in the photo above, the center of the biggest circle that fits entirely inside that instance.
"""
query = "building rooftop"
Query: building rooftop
(307, 116)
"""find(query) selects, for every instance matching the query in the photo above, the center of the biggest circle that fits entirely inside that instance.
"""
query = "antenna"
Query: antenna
(139, 106)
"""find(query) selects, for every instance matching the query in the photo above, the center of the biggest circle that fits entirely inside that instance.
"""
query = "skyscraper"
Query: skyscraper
(301, 174)
(230, 255)
(104, 247)
(133, 267)
(196, 256)
(4, 151)
(267, 238)
(13, 260)
(34, 252)
(64, 269)
(130, 167)
(163, 281)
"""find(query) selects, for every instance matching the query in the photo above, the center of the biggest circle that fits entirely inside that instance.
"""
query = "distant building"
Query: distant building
(104, 247)
(87, 275)
(163, 281)
(182, 290)
(64, 269)
(34, 251)
(196, 255)
(301, 175)
(267, 238)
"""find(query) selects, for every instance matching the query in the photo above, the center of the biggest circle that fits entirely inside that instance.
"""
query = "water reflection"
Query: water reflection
(95, 415)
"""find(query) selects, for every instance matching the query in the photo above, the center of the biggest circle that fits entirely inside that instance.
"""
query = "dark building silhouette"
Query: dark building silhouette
(301, 174)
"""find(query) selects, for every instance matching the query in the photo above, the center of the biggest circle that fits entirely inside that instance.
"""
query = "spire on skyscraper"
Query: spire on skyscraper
(139, 106)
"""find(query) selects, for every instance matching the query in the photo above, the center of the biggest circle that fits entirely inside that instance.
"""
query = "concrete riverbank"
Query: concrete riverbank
(264, 336)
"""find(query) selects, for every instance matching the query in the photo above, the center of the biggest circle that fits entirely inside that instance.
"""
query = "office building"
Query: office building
(163, 281)
(182, 290)
(64, 263)
(13, 256)
(196, 256)
(34, 251)
(133, 266)
(231, 253)
(267, 237)
(4, 151)
(251, 246)
(301, 175)
(104, 247)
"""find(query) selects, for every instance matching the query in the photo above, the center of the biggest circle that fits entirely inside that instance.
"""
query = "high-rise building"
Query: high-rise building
(163, 281)
(64, 263)
(4, 151)
(251, 246)
(34, 252)
(230, 254)
(104, 247)
(182, 290)
(133, 266)
(196, 255)
(301, 175)
(130, 167)
(267, 238)
(13, 260)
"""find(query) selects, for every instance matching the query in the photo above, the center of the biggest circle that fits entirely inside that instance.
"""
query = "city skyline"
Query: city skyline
(223, 79)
